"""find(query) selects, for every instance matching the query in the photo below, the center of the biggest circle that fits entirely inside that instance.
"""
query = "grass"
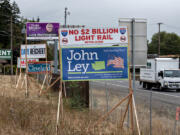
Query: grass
(37, 115)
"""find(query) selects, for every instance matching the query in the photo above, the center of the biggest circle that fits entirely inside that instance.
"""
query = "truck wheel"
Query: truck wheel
(149, 86)
(144, 85)
(178, 90)
(160, 88)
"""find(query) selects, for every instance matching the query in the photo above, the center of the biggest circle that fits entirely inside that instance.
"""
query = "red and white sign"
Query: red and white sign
(23, 62)
(177, 113)
(93, 36)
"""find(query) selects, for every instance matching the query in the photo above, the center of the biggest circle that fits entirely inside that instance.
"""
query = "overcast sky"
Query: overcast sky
(98, 13)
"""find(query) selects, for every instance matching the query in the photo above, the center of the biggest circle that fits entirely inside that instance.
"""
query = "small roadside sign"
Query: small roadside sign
(39, 67)
(177, 113)
(5, 54)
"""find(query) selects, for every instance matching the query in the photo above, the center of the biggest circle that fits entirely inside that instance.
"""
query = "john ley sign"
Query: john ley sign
(94, 63)
(42, 31)
(5, 54)
(39, 67)
(90, 36)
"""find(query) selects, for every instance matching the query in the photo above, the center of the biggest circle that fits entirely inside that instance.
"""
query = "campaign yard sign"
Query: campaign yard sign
(39, 67)
(42, 31)
(23, 62)
(5, 54)
(93, 36)
(177, 113)
(100, 63)
(33, 51)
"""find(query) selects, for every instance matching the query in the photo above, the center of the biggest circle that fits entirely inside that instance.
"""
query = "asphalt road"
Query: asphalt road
(167, 100)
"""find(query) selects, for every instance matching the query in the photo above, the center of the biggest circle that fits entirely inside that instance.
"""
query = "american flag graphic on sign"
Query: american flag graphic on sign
(118, 62)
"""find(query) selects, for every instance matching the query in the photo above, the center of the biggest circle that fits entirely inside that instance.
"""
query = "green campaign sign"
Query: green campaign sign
(5, 54)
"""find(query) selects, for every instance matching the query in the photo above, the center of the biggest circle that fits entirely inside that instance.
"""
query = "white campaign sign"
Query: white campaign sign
(33, 51)
(23, 62)
(93, 36)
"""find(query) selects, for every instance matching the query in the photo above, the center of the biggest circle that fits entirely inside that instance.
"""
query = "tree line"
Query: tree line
(10, 16)
(169, 44)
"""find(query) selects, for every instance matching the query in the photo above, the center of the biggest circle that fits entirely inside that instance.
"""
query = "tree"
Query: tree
(5, 13)
(170, 44)
(10, 13)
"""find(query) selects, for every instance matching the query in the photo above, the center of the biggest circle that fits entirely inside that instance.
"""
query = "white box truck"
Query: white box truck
(162, 73)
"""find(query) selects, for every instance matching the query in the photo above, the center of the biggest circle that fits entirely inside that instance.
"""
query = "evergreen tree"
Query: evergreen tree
(170, 44)
(5, 13)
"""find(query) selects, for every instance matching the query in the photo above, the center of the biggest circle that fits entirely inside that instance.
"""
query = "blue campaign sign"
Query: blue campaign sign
(38, 67)
(106, 63)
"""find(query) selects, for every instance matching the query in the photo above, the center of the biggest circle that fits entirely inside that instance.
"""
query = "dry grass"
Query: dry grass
(37, 115)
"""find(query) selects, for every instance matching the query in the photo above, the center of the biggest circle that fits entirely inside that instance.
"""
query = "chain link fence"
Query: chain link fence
(154, 107)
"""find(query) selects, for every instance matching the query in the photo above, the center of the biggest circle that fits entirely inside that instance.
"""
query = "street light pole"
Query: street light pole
(11, 47)
(65, 16)
(159, 40)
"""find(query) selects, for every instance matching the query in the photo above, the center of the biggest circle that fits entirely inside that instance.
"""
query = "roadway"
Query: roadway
(168, 99)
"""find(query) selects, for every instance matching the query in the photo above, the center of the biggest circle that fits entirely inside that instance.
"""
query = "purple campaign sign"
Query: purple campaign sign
(42, 31)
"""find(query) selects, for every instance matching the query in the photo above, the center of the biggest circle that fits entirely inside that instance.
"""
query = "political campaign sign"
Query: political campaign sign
(93, 36)
(23, 62)
(106, 63)
(39, 67)
(42, 31)
(5, 54)
(177, 113)
(33, 51)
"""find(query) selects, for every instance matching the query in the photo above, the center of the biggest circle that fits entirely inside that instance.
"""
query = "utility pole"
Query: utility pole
(65, 16)
(159, 39)
(11, 47)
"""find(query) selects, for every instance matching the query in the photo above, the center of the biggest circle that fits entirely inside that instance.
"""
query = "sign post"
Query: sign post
(60, 104)
(26, 75)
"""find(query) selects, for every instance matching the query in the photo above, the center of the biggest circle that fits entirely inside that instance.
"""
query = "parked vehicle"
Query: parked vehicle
(162, 73)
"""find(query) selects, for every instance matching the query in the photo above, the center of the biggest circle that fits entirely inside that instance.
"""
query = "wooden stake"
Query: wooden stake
(137, 121)
(18, 81)
(26, 94)
(108, 113)
(16, 76)
(130, 85)
(20, 60)
(49, 81)
(131, 111)
(24, 80)
(64, 89)
(58, 111)
(60, 83)
(130, 99)
(43, 84)
(51, 85)
(46, 66)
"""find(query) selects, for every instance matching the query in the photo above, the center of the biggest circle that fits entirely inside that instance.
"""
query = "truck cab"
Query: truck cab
(169, 79)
